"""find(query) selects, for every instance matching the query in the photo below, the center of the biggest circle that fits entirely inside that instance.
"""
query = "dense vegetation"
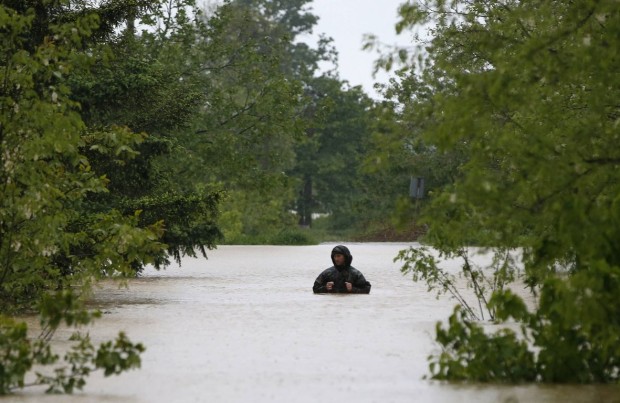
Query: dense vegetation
(518, 101)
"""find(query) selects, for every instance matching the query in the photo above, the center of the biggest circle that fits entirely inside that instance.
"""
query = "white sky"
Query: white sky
(346, 21)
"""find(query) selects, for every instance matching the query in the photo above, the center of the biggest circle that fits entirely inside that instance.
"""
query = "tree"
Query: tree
(46, 183)
(242, 138)
(529, 92)
(252, 74)
(148, 82)
(329, 158)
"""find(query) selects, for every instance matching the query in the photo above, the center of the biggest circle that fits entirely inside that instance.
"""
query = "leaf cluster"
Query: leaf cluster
(21, 352)
(469, 353)
(52, 244)
(485, 280)
(564, 342)
(526, 94)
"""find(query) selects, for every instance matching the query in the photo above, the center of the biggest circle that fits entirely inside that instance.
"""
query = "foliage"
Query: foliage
(293, 237)
(50, 251)
(276, 100)
(189, 220)
(421, 263)
(146, 83)
(526, 95)
(398, 152)
(254, 214)
(468, 353)
(329, 157)
(45, 178)
(21, 352)
(287, 236)
(245, 135)
(575, 341)
(241, 138)
(577, 327)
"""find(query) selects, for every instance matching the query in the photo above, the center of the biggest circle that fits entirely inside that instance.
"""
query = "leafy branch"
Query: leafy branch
(423, 266)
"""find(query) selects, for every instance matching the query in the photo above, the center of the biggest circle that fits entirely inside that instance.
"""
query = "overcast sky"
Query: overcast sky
(346, 21)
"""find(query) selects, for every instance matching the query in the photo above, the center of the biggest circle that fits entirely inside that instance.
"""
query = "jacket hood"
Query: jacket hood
(343, 250)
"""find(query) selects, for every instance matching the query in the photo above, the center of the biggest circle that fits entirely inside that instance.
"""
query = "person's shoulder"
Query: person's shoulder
(329, 269)
(354, 270)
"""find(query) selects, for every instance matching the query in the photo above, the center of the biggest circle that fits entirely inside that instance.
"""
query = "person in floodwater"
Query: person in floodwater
(341, 277)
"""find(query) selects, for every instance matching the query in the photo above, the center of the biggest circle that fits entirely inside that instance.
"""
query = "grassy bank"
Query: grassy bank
(322, 231)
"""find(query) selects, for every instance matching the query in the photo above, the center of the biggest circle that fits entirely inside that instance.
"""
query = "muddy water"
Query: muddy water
(244, 326)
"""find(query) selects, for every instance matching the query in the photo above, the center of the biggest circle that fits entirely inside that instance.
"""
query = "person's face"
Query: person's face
(339, 259)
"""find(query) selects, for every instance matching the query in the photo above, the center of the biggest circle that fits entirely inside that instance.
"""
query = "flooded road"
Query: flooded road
(244, 326)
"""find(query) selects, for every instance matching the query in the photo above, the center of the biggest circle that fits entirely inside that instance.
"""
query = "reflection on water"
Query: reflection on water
(244, 326)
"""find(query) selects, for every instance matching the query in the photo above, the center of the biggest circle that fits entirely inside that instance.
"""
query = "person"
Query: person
(341, 277)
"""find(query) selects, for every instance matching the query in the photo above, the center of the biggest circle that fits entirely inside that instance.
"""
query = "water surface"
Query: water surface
(244, 326)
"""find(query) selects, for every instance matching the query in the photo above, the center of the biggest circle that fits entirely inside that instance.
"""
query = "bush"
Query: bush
(285, 237)
(292, 237)
(574, 332)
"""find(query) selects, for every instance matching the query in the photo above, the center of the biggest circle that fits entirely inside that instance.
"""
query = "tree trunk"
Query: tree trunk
(304, 205)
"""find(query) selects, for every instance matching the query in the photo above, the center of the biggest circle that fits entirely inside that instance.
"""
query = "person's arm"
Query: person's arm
(320, 285)
(361, 286)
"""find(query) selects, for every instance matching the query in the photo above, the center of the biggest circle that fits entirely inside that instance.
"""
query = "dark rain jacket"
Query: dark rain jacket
(341, 274)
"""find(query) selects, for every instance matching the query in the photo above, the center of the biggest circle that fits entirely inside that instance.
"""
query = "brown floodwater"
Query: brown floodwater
(244, 326)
